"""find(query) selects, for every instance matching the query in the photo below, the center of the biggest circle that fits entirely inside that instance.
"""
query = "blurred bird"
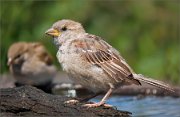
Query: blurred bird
(92, 62)
(31, 64)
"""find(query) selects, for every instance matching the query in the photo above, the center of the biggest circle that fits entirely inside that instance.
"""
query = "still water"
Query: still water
(147, 106)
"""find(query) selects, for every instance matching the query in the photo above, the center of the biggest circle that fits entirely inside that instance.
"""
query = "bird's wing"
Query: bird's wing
(99, 53)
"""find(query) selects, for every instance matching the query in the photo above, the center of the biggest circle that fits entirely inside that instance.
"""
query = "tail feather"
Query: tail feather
(153, 82)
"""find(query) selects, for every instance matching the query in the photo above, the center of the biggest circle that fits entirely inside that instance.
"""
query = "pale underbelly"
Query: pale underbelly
(85, 74)
(90, 83)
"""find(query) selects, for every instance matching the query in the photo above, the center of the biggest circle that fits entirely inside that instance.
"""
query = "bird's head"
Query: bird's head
(16, 53)
(64, 29)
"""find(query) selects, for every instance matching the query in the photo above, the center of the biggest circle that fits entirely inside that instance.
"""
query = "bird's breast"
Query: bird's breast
(82, 72)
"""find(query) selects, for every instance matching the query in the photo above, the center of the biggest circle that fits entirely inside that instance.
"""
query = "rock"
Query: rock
(30, 101)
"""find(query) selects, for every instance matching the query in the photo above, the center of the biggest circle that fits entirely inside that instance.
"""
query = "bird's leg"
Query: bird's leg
(89, 97)
(102, 102)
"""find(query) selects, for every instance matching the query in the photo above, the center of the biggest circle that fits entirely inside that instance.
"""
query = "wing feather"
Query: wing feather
(98, 52)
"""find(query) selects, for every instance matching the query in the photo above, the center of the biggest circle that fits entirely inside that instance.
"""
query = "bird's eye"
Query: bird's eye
(64, 28)
(18, 56)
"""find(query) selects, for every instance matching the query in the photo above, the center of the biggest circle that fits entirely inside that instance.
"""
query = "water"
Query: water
(146, 107)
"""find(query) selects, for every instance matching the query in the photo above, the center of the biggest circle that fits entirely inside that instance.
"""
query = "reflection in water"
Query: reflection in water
(147, 107)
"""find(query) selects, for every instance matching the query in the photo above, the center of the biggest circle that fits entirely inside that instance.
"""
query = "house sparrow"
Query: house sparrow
(92, 62)
(30, 63)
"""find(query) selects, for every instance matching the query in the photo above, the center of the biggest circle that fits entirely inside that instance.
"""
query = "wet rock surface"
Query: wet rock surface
(30, 101)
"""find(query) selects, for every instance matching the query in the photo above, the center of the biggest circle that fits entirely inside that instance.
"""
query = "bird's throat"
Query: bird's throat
(56, 42)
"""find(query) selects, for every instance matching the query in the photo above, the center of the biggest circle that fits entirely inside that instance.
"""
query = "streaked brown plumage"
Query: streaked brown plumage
(92, 62)
(30, 63)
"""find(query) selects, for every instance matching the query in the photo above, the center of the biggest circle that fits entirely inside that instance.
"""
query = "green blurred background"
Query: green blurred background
(146, 32)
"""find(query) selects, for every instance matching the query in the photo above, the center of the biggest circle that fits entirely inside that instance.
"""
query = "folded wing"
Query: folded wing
(99, 53)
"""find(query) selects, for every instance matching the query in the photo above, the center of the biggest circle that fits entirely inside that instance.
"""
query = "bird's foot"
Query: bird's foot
(97, 105)
(73, 101)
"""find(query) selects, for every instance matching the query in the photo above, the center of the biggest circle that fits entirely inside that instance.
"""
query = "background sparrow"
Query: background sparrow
(31, 64)
(92, 62)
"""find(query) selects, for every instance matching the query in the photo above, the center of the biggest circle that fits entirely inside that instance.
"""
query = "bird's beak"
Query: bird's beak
(53, 32)
(10, 61)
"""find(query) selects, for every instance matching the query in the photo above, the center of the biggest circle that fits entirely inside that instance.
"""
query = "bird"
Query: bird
(90, 61)
(31, 64)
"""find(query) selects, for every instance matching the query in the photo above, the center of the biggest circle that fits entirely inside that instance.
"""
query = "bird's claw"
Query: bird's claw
(97, 105)
(73, 101)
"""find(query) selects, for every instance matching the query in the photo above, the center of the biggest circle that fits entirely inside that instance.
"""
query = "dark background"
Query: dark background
(146, 32)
